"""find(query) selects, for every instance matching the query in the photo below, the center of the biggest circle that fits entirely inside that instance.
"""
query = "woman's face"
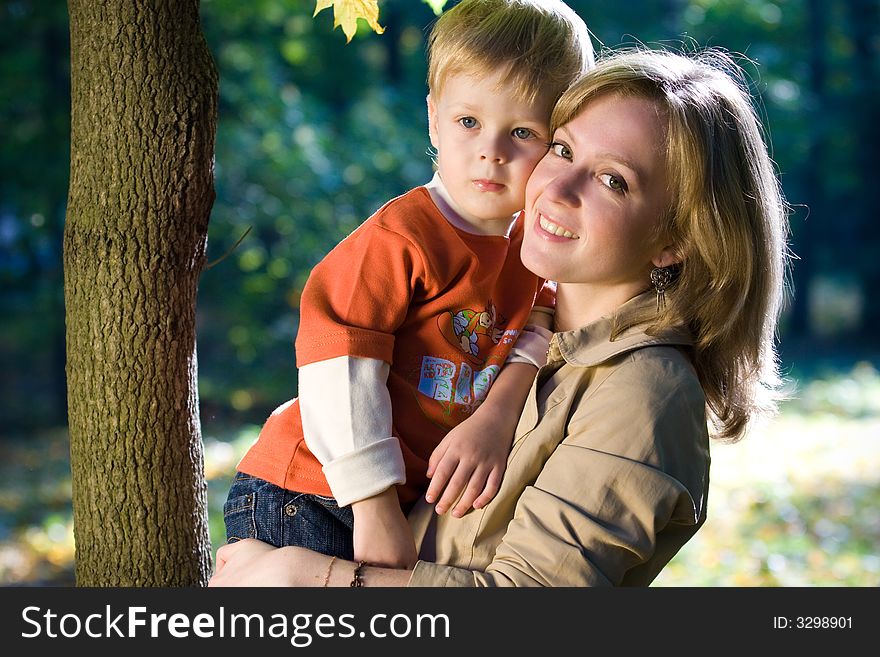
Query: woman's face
(593, 203)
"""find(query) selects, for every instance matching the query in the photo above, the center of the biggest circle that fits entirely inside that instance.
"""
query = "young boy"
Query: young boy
(417, 341)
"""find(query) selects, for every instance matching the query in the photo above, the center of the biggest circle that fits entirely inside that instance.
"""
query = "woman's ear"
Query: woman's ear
(432, 120)
(667, 257)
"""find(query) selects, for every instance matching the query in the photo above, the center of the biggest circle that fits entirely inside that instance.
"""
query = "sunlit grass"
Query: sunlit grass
(36, 525)
(796, 503)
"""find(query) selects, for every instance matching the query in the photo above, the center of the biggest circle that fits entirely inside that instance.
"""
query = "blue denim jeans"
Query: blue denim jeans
(255, 508)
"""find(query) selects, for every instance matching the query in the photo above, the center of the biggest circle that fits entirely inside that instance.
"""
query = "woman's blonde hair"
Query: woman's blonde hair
(727, 219)
(541, 46)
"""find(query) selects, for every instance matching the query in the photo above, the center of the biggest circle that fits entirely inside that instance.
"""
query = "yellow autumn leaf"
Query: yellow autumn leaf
(347, 12)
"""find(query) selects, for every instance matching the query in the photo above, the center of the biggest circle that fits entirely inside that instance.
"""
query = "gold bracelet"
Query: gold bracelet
(329, 568)
(356, 578)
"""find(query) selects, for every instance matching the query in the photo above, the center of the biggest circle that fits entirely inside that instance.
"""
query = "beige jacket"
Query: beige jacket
(607, 477)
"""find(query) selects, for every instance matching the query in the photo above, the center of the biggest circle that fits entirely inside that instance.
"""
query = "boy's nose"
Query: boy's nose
(492, 149)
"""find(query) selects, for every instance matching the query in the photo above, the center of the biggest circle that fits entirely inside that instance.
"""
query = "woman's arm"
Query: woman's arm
(615, 499)
(250, 562)
(612, 504)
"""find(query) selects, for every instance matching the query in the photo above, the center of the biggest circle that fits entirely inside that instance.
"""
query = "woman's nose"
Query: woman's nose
(566, 188)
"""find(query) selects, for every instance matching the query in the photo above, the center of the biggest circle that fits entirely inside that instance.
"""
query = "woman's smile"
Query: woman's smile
(547, 229)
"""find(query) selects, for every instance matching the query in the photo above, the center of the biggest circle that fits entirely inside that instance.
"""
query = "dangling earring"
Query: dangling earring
(661, 277)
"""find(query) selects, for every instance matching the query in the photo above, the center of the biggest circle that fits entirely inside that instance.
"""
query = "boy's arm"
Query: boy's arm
(382, 534)
(346, 418)
(467, 466)
(351, 307)
(349, 432)
(354, 301)
(534, 339)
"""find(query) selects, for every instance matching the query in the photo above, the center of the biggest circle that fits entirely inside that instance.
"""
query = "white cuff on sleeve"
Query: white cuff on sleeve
(366, 472)
(541, 316)
(346, 418)
(531, 346)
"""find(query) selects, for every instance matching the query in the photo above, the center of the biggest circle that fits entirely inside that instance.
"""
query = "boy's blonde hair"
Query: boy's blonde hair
(727, 219)
(542, 46)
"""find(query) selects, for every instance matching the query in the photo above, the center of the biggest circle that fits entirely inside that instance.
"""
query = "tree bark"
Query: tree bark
(143, 120)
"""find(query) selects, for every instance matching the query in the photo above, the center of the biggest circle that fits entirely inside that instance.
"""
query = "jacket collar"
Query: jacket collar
(591, 345)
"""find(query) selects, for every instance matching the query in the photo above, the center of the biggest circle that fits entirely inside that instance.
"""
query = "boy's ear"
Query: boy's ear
(432, 120)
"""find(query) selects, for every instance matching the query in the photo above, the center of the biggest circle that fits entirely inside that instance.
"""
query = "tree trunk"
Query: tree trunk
(143, 119)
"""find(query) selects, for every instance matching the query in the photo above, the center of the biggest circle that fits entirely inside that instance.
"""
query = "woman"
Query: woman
(658, 212)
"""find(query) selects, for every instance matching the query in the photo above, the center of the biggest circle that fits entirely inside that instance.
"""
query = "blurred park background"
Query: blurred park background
(315, 134)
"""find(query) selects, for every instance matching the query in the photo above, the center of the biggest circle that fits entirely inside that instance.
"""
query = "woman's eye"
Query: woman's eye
(561, 150)
(613, 182)
(522, 133)
(468, 122)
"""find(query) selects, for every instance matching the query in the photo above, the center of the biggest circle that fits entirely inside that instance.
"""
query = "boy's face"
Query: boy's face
(488, 143)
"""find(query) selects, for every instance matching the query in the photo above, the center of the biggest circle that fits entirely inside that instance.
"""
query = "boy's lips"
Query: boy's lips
(485, 185)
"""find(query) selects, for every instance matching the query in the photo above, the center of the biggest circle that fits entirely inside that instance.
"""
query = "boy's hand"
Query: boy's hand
(468, 464)
(382, 535)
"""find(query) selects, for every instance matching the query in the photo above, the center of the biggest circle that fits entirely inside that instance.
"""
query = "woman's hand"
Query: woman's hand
(250, 562)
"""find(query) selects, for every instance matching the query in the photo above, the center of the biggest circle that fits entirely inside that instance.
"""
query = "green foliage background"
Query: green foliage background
(314, 135)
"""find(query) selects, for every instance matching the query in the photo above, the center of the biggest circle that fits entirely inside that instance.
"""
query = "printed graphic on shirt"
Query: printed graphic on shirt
(449, 392)
(474, 332)
(440, 379)
(459, 387)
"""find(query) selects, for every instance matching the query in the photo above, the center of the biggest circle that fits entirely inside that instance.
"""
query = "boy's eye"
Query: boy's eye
(468, 122)
(561, 150)
(613, 182)
(523, 133)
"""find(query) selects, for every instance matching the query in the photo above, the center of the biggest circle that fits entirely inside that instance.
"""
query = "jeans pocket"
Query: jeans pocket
(323, 500)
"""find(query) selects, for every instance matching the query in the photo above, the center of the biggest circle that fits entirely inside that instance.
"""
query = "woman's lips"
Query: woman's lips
(548, 227)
